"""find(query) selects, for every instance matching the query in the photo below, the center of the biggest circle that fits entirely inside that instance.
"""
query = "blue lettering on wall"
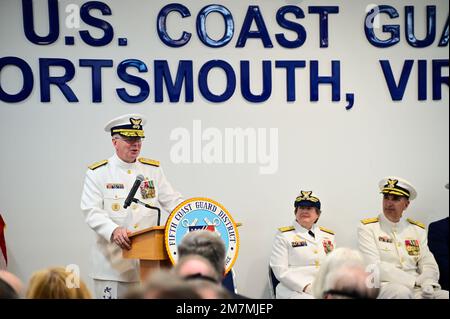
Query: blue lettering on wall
(203, 81)
(28, 80)
(254, 15)
(290, 67)
(296, 27)
(60, 81)
(29, 27)
(334, 80)
(96, 22)
(134, 80)
(245, 82)
(393, 30)
(431, 27)
(201, 26)
(323, 13)
(184, 75)
(96, 66)
(162, 25)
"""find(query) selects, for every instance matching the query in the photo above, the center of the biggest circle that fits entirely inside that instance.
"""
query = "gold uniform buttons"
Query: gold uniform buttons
(129, 171)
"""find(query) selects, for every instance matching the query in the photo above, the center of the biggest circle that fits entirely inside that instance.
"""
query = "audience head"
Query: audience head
(206, 244)
(11, 286)
(208, 289)
(343, 275)
(164, 284)
(6, 291)
(197, 266)
(56, 283)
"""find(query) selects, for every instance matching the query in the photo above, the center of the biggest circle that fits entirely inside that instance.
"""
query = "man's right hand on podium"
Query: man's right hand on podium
(120, 237)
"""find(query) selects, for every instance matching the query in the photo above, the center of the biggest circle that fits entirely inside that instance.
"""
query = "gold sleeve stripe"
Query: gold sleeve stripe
(98, 164)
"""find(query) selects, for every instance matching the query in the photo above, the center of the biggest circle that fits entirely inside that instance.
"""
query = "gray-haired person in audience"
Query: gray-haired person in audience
(343, 275)
(163, 284)
(202, 276)
(208, 245)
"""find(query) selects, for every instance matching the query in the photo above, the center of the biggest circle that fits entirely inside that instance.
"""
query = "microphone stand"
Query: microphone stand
(137, 201)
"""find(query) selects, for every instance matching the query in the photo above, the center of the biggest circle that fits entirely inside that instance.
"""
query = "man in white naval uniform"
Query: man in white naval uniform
(397, 246)
(106, 187)
(299, 249)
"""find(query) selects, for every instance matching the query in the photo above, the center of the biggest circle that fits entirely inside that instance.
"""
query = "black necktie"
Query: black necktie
(312, 234)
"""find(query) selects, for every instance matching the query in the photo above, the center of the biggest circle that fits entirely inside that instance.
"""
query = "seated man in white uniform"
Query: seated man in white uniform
(299, 249)
(106, 186)
(398, 246)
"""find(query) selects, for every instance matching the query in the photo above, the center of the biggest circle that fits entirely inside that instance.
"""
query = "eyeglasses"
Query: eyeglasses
(130, 140)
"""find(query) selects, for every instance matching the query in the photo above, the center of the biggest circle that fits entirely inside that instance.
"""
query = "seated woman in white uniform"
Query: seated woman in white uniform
(299, 249)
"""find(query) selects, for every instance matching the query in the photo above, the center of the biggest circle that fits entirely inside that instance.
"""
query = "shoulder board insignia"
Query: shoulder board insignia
(370, 221)
(421, 225)
(98, 164)
(326, 230)
(149, 161)
(285, 229)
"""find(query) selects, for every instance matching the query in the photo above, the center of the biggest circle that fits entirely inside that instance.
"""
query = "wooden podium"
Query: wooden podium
(147, 245)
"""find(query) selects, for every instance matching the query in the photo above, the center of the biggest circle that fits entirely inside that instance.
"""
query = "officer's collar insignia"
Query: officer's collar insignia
(201, 214)
(136, 123)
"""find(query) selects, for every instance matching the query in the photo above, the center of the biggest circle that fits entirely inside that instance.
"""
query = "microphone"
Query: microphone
(133, 191)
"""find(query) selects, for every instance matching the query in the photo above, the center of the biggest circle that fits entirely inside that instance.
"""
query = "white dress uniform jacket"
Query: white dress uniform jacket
(105, 190)
(296, 257)
(400, 250)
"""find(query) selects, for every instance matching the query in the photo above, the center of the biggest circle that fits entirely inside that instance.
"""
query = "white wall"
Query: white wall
(341, 155)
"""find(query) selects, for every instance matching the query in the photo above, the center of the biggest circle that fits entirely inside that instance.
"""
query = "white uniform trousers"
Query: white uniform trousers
(399, 291)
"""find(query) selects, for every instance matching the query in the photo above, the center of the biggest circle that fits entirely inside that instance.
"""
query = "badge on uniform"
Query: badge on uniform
(115, 207)
(327, 246)
(115, 186)
(147, 189)
(412, 247)
(385, 239)
(301, 243)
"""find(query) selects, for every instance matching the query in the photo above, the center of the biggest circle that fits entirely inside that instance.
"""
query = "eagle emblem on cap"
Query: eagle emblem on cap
(136, 123)
(304, 195)
(392, 183)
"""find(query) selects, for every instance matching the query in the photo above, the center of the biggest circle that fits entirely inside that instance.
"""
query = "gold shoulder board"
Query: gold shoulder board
(285, 229)
(370, 221)
(149, 161)
(421, 225)
(326, 230)
(98, 164)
